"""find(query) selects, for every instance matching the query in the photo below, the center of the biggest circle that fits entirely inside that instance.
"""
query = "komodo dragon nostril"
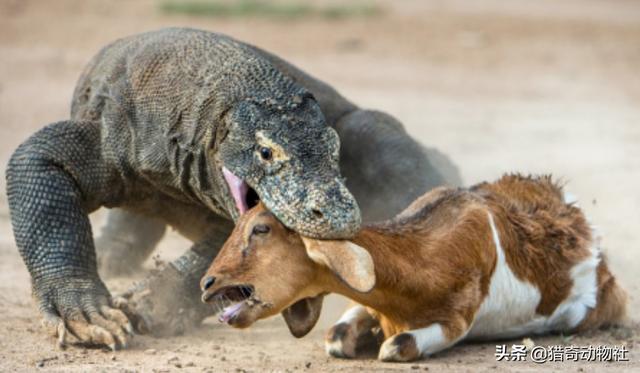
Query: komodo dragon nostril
(317, 213)
(208, 282)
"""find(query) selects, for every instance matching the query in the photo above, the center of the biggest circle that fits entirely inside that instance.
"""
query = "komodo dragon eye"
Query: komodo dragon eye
(266, 153)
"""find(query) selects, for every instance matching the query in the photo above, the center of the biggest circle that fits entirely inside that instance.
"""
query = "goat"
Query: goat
(497, 260)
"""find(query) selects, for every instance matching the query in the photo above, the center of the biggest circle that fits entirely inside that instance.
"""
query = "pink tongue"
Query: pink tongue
(230, 311)
(238, 189)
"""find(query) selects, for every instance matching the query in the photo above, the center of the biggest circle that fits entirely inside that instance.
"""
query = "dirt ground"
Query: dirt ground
(543, 87)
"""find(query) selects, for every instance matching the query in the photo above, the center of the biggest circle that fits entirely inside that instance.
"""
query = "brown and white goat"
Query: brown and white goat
(498, 260)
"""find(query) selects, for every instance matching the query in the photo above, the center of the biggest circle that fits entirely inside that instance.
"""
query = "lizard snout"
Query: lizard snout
(330, 212)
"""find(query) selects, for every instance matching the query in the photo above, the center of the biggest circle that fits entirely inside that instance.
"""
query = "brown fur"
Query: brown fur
(611, 300)
(434, 262)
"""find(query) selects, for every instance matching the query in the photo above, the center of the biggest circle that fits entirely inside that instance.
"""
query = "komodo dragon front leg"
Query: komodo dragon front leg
(54, 180)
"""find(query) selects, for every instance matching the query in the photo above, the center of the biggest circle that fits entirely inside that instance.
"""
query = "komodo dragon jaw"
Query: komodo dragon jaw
(283, 153)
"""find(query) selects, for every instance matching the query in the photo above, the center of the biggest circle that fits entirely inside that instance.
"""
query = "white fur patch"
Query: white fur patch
(583, 294)
(431, 339)
(353, 315)
(509, 309)
(510, 304)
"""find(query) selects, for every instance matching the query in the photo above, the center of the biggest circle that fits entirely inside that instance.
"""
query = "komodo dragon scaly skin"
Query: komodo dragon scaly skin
(187, 128)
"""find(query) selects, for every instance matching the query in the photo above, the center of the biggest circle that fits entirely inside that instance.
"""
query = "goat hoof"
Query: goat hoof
(341, 341)
(399, 348)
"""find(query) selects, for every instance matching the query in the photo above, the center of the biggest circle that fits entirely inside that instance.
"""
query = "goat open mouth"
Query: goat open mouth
(230, 300)
(243, 195)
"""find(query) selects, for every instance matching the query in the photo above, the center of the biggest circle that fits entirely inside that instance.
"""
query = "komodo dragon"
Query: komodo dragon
(189, 128)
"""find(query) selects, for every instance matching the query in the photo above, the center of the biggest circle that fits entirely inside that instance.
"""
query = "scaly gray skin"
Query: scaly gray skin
(155, 118)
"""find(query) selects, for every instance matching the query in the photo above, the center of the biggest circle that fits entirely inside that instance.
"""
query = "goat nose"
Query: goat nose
(208, 282)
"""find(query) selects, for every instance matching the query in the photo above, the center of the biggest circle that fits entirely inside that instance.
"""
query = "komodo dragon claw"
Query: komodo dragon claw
(90, 319)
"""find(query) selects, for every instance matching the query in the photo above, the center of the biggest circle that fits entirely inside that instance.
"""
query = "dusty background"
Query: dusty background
(542, 86)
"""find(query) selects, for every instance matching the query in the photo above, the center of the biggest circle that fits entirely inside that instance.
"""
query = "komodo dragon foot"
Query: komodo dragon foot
(85, 315)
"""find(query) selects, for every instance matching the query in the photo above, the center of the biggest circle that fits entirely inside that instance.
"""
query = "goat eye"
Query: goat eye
(266, 153)
(261, 229)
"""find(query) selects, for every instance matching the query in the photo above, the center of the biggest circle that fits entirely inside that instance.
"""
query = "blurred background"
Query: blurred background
(499, 85)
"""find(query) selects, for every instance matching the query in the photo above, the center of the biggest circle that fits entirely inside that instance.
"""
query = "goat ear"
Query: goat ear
(303, 315)
(352, 263)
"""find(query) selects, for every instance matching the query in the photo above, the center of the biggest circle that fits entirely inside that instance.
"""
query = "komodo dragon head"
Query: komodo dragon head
(281, 151)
